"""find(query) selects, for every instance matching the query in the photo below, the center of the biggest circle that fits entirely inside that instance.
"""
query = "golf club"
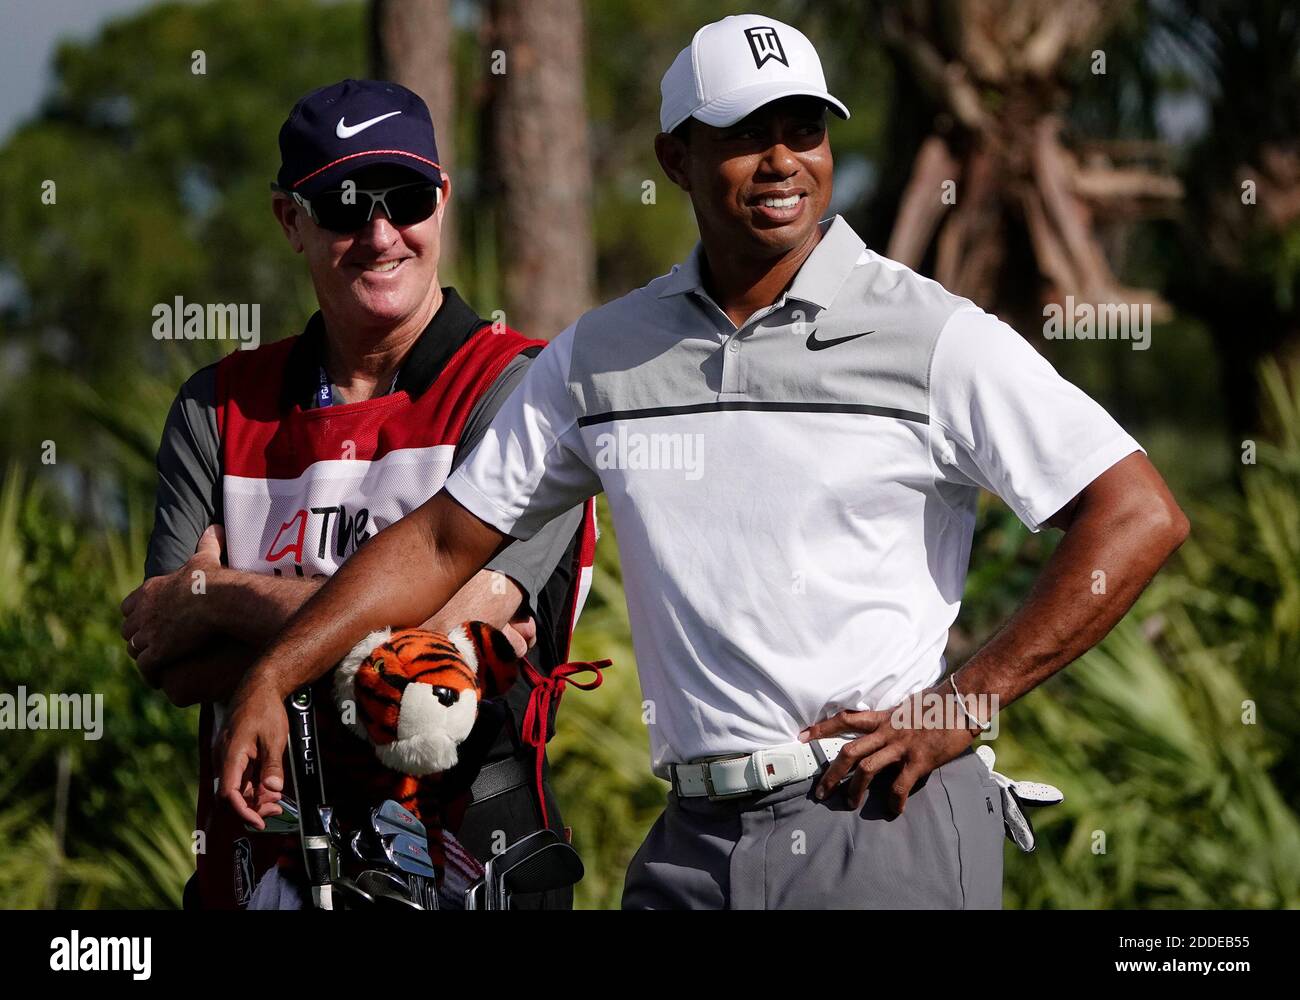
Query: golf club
(398, 851)
(551, 866)
(393, 898)
(401, 853)
(408, 854)
(392, 817)
(372, 881)
(285, 822)
(378, 883)
(350, 896)
(309, 786)
(511, 856)
(411, 855)
(356, 848)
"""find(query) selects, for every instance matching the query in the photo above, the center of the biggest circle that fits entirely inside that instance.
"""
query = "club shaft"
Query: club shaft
(309, 789)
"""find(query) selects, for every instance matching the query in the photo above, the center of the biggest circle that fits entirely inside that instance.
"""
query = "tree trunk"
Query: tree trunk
(411, 44)
(539, 161)
(994, 194)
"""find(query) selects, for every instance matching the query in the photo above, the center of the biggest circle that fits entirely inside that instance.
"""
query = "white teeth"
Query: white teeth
(781, 202)
(387, 266)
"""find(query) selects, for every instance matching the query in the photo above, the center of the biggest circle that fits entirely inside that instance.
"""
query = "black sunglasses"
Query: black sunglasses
(340, 210)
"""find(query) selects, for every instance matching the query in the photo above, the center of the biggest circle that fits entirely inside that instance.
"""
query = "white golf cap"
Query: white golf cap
(734, 66)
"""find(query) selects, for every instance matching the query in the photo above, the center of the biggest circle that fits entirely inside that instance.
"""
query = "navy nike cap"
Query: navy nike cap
(352, 124)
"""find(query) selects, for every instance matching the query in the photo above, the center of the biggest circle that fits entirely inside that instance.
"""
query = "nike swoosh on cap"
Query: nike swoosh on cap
(344, 131)
(813, 344)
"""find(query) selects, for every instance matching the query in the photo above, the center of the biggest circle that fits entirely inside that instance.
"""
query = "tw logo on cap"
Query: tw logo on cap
(765, 44)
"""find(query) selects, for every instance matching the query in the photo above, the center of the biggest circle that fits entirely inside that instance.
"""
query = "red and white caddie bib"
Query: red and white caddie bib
(302, 490)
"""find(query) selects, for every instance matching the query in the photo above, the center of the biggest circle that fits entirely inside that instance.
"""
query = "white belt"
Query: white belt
(765, 770)
(760, 771)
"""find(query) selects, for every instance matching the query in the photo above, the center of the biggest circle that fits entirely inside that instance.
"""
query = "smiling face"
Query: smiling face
(758, 187)
(378, 276)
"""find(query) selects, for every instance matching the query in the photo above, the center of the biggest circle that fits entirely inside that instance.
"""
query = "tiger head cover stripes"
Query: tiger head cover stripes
(413, 694)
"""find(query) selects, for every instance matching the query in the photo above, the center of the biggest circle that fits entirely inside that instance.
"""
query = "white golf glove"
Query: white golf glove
(1015, 796)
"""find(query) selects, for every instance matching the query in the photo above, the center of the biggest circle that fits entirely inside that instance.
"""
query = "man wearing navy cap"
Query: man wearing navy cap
(276, 464)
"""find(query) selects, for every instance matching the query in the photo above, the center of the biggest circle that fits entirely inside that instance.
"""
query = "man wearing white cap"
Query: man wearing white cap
(792, 432)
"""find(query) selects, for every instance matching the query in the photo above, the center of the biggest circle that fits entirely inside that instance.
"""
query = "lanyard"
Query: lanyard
(325, 389)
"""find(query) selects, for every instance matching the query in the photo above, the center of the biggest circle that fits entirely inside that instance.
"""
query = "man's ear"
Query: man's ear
(289, 214)
(444, 196)
(672, 154)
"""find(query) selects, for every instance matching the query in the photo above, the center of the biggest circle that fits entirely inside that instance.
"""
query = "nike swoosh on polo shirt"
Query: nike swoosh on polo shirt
(813, 344)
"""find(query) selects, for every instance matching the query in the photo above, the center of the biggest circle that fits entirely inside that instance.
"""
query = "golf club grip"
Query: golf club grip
(309, 786)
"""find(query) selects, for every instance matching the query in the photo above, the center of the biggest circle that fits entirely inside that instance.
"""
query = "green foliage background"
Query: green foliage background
(1175, 740)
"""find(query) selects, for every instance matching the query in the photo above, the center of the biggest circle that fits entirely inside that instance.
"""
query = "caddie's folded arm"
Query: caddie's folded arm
(210, 674)
(180, 626)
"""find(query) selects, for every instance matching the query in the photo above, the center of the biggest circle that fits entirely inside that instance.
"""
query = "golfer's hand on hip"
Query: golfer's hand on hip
(251, 749)
(897, 738)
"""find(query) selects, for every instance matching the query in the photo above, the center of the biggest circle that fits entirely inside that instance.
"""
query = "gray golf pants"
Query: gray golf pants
(786, 850)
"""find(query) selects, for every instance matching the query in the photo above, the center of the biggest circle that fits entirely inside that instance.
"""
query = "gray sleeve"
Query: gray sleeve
(530, 562)
(189, 475)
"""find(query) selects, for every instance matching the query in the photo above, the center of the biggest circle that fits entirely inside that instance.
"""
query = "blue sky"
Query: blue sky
(31, 29)
(29, 32)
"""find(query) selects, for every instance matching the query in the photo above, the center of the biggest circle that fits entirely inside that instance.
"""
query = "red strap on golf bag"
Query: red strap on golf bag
(548, 688)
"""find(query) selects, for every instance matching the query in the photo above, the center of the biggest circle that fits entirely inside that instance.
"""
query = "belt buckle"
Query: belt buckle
(712, 793)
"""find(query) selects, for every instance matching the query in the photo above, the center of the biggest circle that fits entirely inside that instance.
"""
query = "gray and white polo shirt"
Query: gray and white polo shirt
(794, 500)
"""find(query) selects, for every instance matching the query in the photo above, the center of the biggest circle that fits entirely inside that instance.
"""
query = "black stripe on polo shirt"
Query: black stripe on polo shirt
(752, 404)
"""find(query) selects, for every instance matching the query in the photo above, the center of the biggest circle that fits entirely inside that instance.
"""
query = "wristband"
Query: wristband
(961, 703)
